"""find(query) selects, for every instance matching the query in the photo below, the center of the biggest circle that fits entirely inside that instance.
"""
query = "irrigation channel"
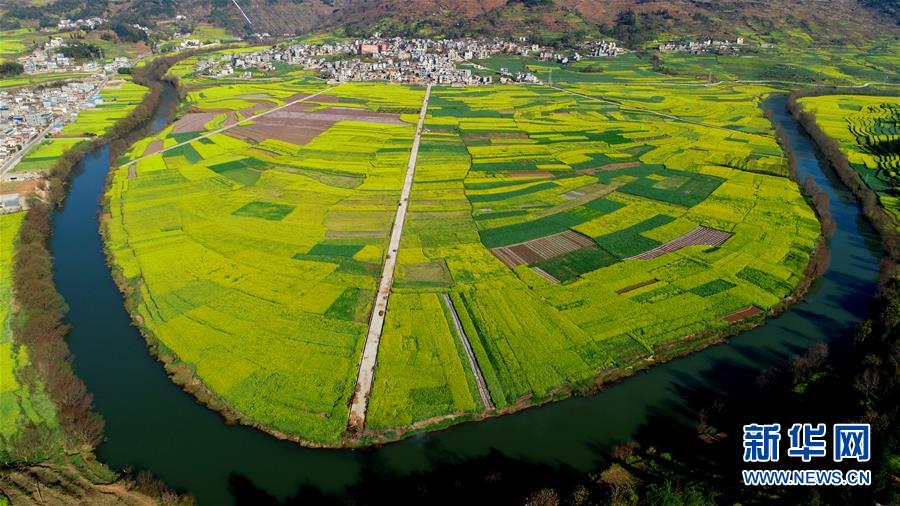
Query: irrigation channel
(152, 424)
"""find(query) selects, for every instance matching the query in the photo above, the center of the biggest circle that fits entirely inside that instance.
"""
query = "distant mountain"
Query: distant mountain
(632, 21)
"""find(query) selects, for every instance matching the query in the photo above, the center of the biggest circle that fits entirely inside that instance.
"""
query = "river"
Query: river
(152, 424)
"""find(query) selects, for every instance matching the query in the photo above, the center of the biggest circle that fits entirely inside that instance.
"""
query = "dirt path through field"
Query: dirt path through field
(369, 359)
(483, 391)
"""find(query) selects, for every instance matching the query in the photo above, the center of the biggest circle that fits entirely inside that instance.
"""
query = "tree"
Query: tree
(10, 68)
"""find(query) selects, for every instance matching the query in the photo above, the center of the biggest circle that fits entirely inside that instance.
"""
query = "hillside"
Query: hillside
(632, 21)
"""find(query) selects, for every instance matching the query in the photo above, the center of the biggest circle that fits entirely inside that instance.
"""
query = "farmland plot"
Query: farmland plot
(571, 235)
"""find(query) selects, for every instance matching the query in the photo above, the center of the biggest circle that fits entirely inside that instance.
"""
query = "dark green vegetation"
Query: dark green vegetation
(10, 68)
(81, 51)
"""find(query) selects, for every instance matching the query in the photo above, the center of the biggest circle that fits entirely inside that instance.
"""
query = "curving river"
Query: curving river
(152, 424)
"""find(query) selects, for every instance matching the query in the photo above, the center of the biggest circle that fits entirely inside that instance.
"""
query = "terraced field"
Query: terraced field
(573, 237)
(868, 131)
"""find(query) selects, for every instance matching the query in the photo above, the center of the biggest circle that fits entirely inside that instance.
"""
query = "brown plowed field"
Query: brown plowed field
(538, 250)
(193, 122)
(741, 314)
(700, 236)
(153, 147)
(298, 125)
(530, 173)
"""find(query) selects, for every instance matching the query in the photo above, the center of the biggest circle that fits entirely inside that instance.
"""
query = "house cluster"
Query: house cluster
(397, 59)
(241, 64)
(50, 58)
(601, 49)
(424, 68)
(704, 46)
(80, 24)
(26, 114)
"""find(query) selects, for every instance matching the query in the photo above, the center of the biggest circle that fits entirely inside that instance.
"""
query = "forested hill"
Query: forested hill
(631, 21)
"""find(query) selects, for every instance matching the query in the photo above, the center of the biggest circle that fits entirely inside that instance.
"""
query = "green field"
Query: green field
(45, 154)
(22, 405)
(868, 131)
(254, 255)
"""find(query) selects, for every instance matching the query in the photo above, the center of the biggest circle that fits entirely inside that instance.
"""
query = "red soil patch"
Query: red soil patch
(700, 236)
(635, 287)
(257, 108)
(543, 248)
(620, 165)
(23, 188)
(742, 314)
(230, 118)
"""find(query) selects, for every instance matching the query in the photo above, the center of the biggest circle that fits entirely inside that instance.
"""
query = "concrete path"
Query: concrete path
(483, 391)
(369, 359)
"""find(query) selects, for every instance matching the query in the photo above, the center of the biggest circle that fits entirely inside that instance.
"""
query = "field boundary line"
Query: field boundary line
(483, 391)
(229, 127)
(366, 376)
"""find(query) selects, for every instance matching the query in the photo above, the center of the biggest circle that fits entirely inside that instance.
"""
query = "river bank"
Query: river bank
(39, 326)
(153, 423)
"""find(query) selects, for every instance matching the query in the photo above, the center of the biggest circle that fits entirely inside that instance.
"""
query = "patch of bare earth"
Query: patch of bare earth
(153, 147)
(742, 314)
(700, 236)
(543, 248)
(23, 188)
(193, 122)
(635, 287)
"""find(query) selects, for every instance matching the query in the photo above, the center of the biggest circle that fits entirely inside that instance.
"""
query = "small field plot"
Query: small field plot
(45, 154)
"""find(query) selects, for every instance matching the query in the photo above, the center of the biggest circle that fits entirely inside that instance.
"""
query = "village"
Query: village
(399, 60)
(29, 115)
(704, 46)
(50, 57)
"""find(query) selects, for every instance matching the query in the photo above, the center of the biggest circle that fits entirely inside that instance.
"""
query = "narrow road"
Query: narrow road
(229, 127)
(483, 391)
(16, 158)
(364, 379)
